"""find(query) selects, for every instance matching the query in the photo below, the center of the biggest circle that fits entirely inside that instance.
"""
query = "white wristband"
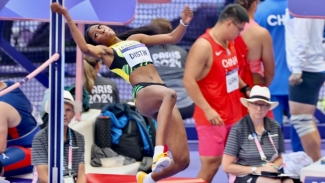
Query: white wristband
(181, 22)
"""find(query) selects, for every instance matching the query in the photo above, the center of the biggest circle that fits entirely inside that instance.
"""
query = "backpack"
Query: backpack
(131, 141)
(151, 126)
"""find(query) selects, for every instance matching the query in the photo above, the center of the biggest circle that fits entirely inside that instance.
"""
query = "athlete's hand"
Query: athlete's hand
(295, 79)
(187, 15)
(58, 8)
(213, 117)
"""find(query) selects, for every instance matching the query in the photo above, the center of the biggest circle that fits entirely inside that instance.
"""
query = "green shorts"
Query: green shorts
(139, 86)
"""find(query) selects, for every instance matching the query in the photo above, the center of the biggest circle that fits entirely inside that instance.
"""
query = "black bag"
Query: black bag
(130, 143)
(149, 122)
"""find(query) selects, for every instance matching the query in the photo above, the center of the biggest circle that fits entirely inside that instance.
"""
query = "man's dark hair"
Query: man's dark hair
(234, 12)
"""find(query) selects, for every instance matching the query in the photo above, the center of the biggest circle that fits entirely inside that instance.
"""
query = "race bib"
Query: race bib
(232, 80)
(136, 54)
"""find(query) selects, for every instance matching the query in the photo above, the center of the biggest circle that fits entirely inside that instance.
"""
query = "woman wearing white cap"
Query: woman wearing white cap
(255, 143)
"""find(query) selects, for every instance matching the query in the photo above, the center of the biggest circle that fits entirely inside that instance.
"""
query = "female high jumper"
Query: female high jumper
(129, 57)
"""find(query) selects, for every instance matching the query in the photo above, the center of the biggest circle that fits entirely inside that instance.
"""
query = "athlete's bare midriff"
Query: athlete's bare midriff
(147, 74)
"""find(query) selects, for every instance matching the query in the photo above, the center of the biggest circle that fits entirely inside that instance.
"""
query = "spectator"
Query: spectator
(170, 62)
(306, 62)
(72, 139)
(17, 130)
(102, 91)
(211, 80)
(255, 131)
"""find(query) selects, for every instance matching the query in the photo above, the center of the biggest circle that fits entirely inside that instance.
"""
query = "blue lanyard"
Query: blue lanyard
(70, 138)
(70, 153)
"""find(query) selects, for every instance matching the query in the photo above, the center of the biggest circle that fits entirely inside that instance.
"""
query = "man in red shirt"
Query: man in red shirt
(212, 81)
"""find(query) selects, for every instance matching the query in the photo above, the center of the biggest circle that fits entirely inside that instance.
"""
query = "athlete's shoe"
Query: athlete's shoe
(140, 177)
(160, 162)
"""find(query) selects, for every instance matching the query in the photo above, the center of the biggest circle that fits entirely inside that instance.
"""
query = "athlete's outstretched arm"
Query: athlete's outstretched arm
(172, 38)
(91, 50)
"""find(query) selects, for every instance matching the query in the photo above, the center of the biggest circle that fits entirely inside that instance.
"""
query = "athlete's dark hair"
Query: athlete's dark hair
(88, 38)
(245, 3)
(234, 12)
(147, 29)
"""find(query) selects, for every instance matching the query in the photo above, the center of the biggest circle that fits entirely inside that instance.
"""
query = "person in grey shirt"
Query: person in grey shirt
(170, 62)
(255, 131)
(102, 91)
(40, 145)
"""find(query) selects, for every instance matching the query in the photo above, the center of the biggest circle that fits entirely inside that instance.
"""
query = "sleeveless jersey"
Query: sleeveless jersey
(220, 87)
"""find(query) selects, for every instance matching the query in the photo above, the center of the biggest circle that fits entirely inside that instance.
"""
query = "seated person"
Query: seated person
(40, 145)
(17, 130)
(170, 62)
(102, 91)
(255, 143)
